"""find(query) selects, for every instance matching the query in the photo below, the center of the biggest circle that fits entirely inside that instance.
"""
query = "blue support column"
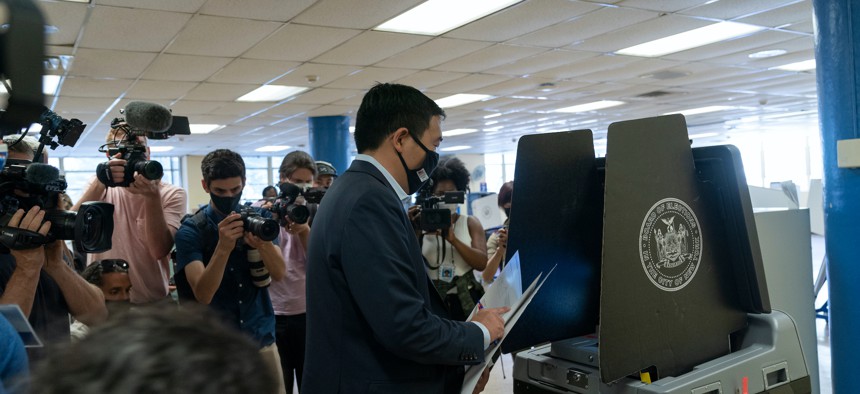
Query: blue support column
(836, 51)
(329, 140)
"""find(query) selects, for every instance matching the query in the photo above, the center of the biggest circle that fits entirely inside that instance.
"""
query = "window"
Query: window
(80, 170)
(257, 177)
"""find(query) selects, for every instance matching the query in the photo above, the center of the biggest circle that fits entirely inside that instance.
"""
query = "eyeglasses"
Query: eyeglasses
(114, 265)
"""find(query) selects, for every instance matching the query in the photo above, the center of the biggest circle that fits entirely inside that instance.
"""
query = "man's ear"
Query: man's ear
(397, 138)
(205, 186)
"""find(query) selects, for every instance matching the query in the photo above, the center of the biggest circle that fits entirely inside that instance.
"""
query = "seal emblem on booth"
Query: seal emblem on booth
(670, 244)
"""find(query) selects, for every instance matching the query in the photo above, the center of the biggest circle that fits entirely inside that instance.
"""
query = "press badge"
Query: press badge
(446, 272)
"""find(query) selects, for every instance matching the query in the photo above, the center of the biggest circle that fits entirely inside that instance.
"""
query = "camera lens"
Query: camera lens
(298, 213)
(93, 227)
(150, 169)
(266, 229)
(62, 223)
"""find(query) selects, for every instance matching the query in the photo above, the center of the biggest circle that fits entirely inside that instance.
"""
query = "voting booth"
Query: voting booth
(659, 283)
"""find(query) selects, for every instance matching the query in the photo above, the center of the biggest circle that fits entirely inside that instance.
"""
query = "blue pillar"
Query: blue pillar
(329, 140)
(837, 45)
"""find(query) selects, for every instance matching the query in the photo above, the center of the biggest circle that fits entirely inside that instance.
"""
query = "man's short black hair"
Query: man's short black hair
(222, 164)
(387, 107)
(452, 169)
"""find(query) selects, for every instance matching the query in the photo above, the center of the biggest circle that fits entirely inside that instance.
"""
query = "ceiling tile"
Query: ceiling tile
(520, 19)
(427, 79)
(366, 78)
(586, 66)
(541, 62)
(745, 45)
(241, 109)
(370, 47)
(322, 73)
(168, 67)
(734, 8)
(345, 13)
(188, 6)
(159, 90)
(493, 56)
(208, 91)
(596, 23)
(267, 10)
(253, 71)
(120, 29)
(805, 27)
(781, 16)
(333, 110)
(191, 107)
(630, 70)
(639, 33)
(324, 96)
(468, 84)
(83, 105)
(217, 36)
(122, 64)
(67, 17)
(94, 87)
(432, 53)
(662, 5)
(300, 42)
(516, 86)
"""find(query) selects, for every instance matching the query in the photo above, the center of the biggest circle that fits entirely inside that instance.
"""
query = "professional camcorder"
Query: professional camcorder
(24, 184)
(285, 206)
(434, 218)
(265, 229)
(142, 119)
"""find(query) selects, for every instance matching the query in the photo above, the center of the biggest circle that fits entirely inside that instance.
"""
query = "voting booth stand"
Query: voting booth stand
(659, 285)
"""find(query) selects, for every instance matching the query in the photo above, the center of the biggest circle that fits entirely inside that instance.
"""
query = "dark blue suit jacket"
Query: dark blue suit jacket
(375, 324)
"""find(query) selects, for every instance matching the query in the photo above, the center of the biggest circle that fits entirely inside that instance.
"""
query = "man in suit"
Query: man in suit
(375, 323)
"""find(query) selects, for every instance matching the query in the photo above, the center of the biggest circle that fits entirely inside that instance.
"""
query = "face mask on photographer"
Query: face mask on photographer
(417, 178)
(226, 205)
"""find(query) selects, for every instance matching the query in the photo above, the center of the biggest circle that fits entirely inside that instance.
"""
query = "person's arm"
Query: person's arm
(86, 302)
(271, 255)
(499, 250)
(302, 230)
(159, 235)
(21, 288)
(475, 254)
(205, 280)
(95, 191)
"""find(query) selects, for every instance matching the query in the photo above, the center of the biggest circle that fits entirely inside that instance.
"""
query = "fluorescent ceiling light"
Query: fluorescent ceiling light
(460, 99)
(766, 54)
(271, 93)
(451, 133)
(50, 83)
(799, 66)
(351, 129)
(204, 128)
(704, 135)
(455, 148)
(690, 39)
(434, 17)
(160, 148)
(590, 106)
(272, 148)
(701, 110)
(493, 115)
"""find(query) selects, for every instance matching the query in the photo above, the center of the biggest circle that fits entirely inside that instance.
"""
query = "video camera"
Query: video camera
(24, 184)
(265, 229)
(142, 119)
(434, 218)
(285, 206)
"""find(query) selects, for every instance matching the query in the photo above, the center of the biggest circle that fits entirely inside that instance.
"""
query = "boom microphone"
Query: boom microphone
(45, 177)
(148, 116)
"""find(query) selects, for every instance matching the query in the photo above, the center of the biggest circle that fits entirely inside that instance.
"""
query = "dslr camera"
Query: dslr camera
(265, 229)
(285, 206)
(434, 218)
(24, 184)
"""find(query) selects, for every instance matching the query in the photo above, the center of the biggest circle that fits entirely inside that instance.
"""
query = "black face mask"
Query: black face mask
(417, 178)
(225, 205)
(507, 212)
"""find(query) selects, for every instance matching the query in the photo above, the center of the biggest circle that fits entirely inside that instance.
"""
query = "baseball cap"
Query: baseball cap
(325, 168)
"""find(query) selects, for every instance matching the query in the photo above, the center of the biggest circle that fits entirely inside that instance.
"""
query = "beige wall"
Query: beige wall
(192, 177)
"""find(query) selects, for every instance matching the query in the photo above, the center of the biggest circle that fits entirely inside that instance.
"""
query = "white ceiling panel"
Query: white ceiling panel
(241, 109)
(522, 18)
(804, 27)
(191, 107)
(208, 91)
(541, 62)
(315, 74)
(168, 67)
(159, 90)
(333, 110)
(253, 71)
(516, 86)
(67, 17)
(662, 5)
(432, 53)
(267, 10)
(599, 22)
(587, 66)
(639, 33)
(187, 6)
(629, 70)
(742, 58)
(94, 87)
(122, 64)
(469, 83)
(132, 29)
(300, 42)
(729, 9)
(324, 96)
(259, 121)
(493, 56)
(427, 79)
(84, 105)
(781, 16)
(370, 47)
(368, 77)
(217, 36)
(748, 45)
(346, 13)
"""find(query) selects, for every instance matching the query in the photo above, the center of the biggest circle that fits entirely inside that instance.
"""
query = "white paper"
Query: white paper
(15, 316)
(510, 293)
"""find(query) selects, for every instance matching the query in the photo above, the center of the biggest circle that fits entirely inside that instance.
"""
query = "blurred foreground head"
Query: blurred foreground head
(164, 350)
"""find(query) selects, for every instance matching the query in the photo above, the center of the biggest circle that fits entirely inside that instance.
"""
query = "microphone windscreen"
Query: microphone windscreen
(148, 116)
(41, 174)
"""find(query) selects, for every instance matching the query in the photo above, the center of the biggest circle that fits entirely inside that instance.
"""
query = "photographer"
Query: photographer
(497, 245)
(453, 256)
(326, 174)
(220, 275)
(146, 218)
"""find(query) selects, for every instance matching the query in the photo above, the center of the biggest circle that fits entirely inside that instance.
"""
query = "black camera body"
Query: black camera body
(285, 206)
(432, 217)
(24, 185)
(265, 229)
(134, 154)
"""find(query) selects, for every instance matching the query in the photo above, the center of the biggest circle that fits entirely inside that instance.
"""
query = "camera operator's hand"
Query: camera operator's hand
(117, 168)
(414, 214)
(296, 228)
(492, 319)
(143, 186)
(229, 230)
(253, 240)
(54, 252)
(450, 237)
(33, 220)
(503, 238)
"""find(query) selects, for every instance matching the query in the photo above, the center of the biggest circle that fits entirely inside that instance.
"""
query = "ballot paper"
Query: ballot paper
(19, 322)
(505, 291)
